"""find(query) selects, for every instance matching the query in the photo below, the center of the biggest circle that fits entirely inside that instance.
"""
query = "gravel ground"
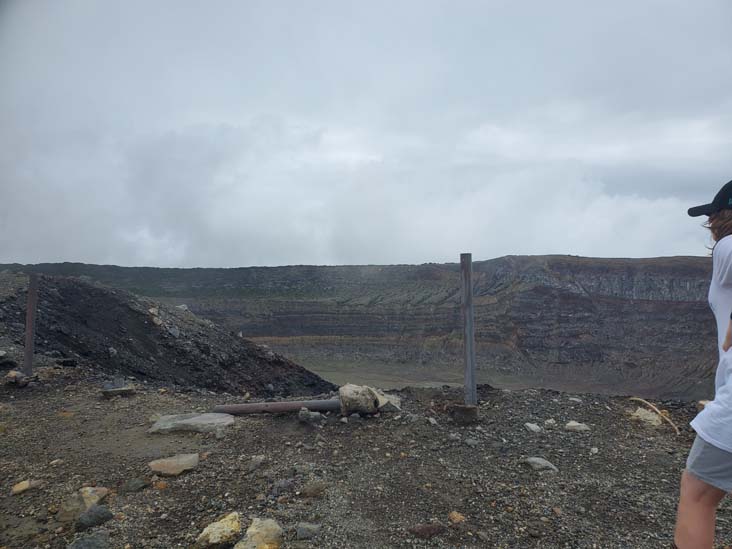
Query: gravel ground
(366, 482)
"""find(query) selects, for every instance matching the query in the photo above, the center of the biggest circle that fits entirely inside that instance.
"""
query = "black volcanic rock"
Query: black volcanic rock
(114, 332)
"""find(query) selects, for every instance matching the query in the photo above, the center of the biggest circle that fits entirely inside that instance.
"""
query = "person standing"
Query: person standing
(708, 475)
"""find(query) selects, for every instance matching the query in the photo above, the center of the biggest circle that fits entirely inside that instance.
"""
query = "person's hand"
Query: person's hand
(727, 345)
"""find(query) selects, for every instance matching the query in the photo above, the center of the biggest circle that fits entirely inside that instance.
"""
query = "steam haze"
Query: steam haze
(179, 133)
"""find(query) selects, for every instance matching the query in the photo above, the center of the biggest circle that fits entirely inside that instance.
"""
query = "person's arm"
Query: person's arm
(727, 345)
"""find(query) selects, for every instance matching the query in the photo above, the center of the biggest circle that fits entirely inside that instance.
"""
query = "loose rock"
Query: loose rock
(456, 518)
(71, 509)
(262, 534)
(25, 486)
(134, 485)
(196, 423)
(17, 378)
(576, 427)
(540, 464)
(646, 416)
(308, 417)
(532, 427)
(94, 516)
(174, 466)
(306, 530)
(91, 495)
(222, 532)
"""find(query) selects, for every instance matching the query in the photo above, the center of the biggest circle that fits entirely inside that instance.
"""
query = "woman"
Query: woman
(708, 475)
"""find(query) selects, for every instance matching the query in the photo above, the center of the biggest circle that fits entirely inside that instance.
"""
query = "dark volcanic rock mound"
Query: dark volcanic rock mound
(119, 333)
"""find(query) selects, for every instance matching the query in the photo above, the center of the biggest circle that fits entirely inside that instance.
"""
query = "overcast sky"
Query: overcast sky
(197, 133)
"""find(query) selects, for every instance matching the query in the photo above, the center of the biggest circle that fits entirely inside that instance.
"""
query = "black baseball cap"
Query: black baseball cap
(723, 201)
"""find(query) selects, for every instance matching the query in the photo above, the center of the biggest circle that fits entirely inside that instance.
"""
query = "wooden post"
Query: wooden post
(466, 271)
(30, 323)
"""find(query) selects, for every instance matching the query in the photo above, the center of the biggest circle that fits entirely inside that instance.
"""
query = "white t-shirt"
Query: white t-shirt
(714, 423)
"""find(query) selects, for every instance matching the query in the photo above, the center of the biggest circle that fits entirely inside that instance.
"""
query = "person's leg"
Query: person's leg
(697, 513)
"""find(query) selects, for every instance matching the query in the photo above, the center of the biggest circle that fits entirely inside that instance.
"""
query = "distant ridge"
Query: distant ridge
(619, 326)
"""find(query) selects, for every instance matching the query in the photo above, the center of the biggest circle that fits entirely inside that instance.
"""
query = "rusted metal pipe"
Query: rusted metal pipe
(333, 405)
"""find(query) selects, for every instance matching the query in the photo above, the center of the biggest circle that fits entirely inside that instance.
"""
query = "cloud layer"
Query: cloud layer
(260, 133)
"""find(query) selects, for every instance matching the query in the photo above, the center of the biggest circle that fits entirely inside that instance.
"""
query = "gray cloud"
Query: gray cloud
(241, 133)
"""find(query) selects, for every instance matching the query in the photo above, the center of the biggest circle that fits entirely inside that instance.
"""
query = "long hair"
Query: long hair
(720, 224)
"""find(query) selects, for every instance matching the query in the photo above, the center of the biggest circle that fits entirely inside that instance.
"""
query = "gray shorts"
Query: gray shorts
(710, 464)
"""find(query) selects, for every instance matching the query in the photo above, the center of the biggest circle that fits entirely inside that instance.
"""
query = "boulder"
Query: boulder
(195, 423)
(220, 533)
(174, 466)
(357, 399)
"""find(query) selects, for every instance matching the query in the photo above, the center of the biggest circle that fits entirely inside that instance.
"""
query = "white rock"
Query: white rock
(549, 423)
(575, 399)
(576, 427)
(594, 451)
(532, 427)
(540, 464)
(357, 399)
(432, 421)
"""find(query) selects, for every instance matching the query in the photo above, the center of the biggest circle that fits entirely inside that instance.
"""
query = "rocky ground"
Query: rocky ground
(407, 479)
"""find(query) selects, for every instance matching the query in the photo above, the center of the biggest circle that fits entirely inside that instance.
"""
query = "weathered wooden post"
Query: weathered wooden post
(30, 323)
(466, 271)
